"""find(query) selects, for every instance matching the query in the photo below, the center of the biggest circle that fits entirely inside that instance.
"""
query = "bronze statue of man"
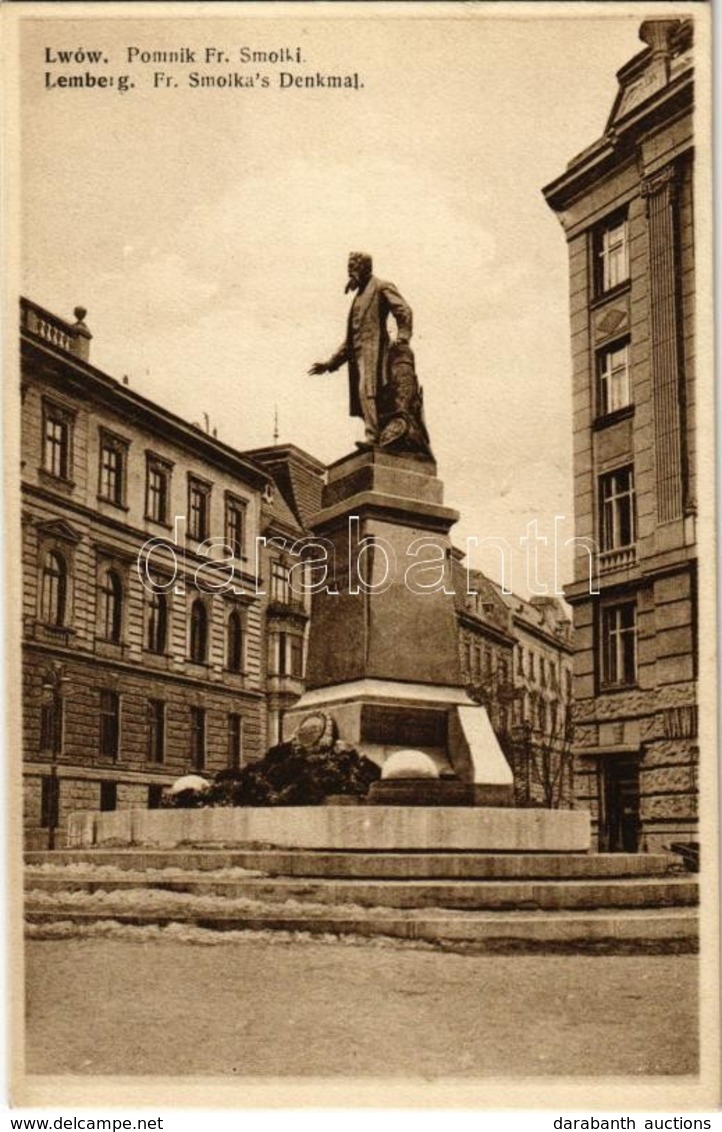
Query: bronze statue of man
(366, 346)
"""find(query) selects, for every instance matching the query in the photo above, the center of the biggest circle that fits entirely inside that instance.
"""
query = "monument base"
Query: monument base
(380, 717)
(420, 792)
(370, 828)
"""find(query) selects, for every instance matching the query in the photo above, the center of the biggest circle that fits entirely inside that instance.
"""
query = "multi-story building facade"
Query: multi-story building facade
(516, 659)
(543, 707)
(140, 665)
(626, 205)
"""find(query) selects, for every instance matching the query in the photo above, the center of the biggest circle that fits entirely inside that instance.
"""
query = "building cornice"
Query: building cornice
(478, 625)
(618, 144)
(165, 675)
(94, 385)
(549, 639)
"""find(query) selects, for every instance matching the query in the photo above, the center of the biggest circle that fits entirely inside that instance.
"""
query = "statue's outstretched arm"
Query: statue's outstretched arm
(333, 362)
(338, 359)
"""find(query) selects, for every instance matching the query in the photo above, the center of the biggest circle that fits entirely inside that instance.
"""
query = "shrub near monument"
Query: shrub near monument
(311, 767)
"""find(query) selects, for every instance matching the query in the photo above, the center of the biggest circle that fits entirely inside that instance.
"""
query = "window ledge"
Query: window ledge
(612, 293)
(52, 480)
(608, 419)
(53, 632)
(611, 689)
(294, 610)
(112, 503)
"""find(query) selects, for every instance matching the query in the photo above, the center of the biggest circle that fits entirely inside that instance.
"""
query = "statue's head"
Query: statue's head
(360, 267)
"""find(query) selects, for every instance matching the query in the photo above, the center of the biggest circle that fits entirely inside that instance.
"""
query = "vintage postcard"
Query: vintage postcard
(360, 572)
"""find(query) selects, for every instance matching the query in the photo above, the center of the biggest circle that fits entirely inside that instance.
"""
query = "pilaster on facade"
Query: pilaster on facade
(660, 195)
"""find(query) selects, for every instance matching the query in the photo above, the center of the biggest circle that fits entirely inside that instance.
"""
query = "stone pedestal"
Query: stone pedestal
(383, 656)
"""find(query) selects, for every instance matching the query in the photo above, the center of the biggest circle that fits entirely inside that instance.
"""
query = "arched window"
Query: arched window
(234, 642)
(157, 623)
(111, 606)
(199, 632)
(53, 589)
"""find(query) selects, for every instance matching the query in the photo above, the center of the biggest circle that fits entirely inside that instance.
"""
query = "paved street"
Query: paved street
(253, 1007)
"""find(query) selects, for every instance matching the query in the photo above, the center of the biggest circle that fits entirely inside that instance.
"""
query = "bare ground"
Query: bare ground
(250, 1005)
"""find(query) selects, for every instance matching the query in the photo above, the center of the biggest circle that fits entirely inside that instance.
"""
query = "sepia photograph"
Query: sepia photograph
(360, 556)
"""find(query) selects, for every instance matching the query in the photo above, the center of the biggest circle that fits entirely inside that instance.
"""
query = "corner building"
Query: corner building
(128, 686)
(626, 206)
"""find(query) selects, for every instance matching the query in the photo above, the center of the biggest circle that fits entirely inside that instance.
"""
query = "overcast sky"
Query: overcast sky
(207, 231)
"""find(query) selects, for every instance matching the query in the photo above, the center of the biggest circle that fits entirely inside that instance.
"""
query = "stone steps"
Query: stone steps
(369, 865)
(506, 894)
(636, 932)
(496, 902)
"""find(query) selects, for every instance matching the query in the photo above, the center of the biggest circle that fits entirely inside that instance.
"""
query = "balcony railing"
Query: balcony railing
(74, 338)
(287, 607)
(617, 559)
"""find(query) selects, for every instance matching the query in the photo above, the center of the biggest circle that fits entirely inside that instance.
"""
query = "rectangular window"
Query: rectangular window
(520, 660)
(108, 796)
(234, 527)
(155, 794)
(542, 715)
(616, 504)
(157, 488)
(49, 801)
(235, 741)
(156, 731)
(198, 509)
(611, 247)
(613, 391)
(280, 582)
(198, 738)
(109, 724)
(295, 650)
(51, 725)
(287, 654)
(57, 436)
(619, 645)
(113, 452)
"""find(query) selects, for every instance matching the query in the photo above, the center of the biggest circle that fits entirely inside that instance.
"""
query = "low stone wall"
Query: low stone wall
(480, 828)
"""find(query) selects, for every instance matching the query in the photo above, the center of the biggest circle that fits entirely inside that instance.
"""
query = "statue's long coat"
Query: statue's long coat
(367, 338)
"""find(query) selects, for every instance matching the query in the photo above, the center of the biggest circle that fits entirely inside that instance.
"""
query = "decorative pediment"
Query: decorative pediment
(667, 55)
(59, 529)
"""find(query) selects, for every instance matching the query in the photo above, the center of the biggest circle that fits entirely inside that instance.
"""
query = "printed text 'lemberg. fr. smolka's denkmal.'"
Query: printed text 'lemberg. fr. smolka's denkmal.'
(283, 67)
